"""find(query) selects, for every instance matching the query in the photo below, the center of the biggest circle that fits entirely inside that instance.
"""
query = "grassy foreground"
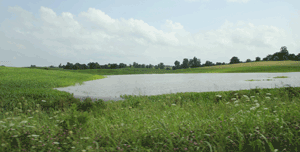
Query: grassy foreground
(35, 117)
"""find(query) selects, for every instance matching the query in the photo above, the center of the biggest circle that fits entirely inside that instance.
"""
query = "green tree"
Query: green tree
(292, 57)
(208, 63)
(185, 63)
(177, 64)
(257, 59)
(234, 60)
(248, 60)
(135, 65)
(196, 62)
(191, 61)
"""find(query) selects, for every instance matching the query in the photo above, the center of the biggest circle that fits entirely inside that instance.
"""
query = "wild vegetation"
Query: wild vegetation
(35, 117)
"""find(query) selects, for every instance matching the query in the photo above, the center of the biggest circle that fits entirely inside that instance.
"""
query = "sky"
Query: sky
(45, 33)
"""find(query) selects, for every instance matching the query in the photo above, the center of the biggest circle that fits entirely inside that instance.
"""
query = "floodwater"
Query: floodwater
(113, 86)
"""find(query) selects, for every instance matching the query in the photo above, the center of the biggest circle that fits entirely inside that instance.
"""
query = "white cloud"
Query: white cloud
(121, 40)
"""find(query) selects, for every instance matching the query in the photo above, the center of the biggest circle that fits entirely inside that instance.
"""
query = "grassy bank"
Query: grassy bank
(39, 118)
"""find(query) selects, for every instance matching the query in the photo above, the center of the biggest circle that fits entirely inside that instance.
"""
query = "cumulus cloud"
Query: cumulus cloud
(125, 41)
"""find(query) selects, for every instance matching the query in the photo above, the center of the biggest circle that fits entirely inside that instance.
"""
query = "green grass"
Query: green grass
(39, 118)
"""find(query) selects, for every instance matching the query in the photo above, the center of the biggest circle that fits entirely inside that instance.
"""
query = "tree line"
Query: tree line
(187, 63)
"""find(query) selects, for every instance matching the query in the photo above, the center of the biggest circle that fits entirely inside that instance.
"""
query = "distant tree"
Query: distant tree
(218, 63)
(248, 60)
(151, 66)
(257, 59)
(185, 63)
(223, 63)
(135, 65)
(76, 66)
(208, 63)
(173, 68)
(106, 66)
(114, 66)
(69, 65)
(156, 66)
(283, 54)
(268, 58)
(191, 61)
(196, 62)
(161, 65)
(143, 66)
(122, 65)
(292, 57)
(298, 57)
(276, 58)
(234, 60)
(92, 65)
(177, 64)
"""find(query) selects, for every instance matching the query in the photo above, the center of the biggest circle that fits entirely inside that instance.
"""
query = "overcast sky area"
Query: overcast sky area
(44, 33)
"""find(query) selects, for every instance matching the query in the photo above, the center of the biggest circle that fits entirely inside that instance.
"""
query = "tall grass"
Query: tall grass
(35, 117)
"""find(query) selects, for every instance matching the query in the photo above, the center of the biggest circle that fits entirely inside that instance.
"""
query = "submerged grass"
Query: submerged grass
(35, 117)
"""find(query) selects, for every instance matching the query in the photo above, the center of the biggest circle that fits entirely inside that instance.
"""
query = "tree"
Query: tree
(292, 57)
(161, 65)
(122, 65)
(298, 57)
(92, 65)
(191, 61)
(151, 66)
(156, 66)
(248, 60)
(114, 66)
(185, 63)
(257, 59)
(234, 60)
(283, 54)
(135, 65)
(177, 64)
(276, 58)
(69, 65)
(208, 63)
(218, 63)
(268, 58)
(196, 62)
